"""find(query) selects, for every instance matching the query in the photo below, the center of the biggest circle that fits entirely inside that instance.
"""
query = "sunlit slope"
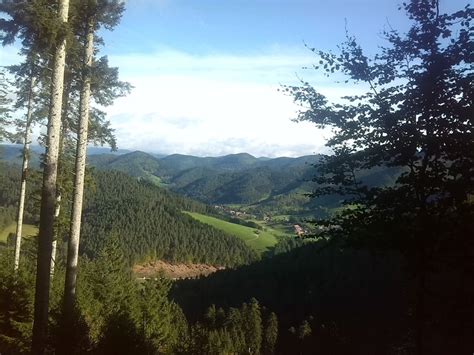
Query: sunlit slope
(256, 239)
(28, 230)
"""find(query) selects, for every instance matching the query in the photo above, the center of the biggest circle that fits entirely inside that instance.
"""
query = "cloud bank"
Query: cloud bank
(215, 104)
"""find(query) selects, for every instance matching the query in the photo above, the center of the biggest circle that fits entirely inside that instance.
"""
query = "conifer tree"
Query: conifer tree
(42, 25)
(4, 106)
(270, 334)
(16, 306)
(252, 326)
(26, 81)
(48, 196)
(93, 13)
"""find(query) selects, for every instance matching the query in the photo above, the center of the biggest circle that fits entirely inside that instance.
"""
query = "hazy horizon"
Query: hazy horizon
(207, 74)
(95, 150)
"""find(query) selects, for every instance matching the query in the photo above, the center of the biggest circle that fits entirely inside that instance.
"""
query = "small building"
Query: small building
(298, 230)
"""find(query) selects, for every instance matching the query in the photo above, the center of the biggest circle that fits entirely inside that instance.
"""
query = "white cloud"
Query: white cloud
(215, 104)
(195, 116)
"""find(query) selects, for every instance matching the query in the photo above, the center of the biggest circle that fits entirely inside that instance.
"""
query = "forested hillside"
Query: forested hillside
(334, 290)
(263, 185)
(147, 220)
(367, 249)
(150, 224)
(260, 185)
(9, 189)
(13, 154)
(137, 164)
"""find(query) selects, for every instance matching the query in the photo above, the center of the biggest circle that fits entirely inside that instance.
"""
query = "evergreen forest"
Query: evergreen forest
(365, 247)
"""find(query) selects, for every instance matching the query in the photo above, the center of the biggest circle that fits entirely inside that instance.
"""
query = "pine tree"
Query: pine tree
(270, 334)
(42, 26)
(48, 198)
(303, 333)
(252, 326)
(95, 13)
(26, 82)
(154, 314)
(16, 306)
(4, 107)
(73, 242)
(235, 325)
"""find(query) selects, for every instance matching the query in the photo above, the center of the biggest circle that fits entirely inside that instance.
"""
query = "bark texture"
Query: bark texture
(80, 168)
(48, 195)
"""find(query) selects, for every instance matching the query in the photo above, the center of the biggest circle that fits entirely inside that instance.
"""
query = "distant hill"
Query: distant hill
(136, 164)
(245, 180)
(12, 153)
(176, 163)
(276, 186)
(263, 185)
(231, 179)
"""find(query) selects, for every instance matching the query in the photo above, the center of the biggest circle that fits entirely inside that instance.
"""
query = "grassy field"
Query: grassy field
(259, 242)
(28, 230)
(278, 229)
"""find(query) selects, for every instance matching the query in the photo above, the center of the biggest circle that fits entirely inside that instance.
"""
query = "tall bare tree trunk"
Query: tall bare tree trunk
(24, 173)
(81, 151)
(48, 196)
(53, 258)
(55, 239)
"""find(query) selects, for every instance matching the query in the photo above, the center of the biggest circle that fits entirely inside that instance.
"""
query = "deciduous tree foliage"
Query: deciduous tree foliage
(415, 112)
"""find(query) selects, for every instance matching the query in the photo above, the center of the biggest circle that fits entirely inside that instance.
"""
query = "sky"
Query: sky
(207, 73)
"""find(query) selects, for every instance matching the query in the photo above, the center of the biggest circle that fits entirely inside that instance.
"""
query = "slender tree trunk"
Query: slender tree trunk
(81, 150)
(53, 258)
(55, 240)
(24, 173)
(48, 196)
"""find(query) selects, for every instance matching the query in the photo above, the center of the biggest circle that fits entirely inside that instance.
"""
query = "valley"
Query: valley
(258, 239)
(219, 231)
(316, 195)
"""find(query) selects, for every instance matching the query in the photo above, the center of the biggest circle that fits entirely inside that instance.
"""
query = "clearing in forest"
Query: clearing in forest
(173, 271)
(28, 231)
(256, 239)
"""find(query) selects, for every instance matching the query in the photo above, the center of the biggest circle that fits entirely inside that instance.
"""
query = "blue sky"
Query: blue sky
(243, 26)
(207, 72)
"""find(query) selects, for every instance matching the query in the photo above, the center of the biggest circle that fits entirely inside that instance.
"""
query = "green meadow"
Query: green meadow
(28, 230)
(258, 240)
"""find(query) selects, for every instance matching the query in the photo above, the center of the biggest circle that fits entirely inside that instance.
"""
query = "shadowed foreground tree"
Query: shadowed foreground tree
(414, 113)
(271, 334)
